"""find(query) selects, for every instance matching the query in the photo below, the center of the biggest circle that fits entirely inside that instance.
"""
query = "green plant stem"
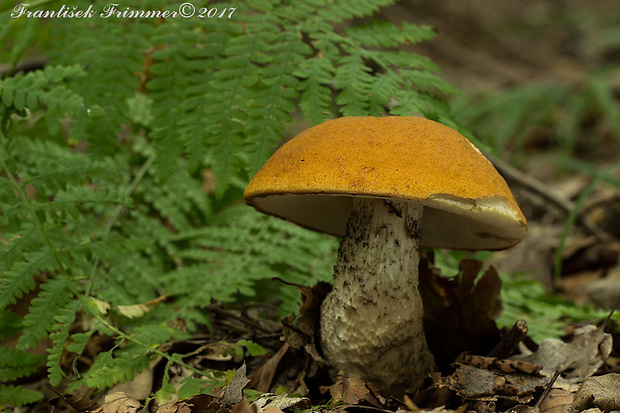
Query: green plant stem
(99, 317)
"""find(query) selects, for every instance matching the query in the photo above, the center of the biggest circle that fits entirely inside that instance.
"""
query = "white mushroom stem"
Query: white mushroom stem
(371, 322)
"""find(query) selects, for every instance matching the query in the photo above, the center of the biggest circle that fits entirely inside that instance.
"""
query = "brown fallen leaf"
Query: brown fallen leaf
(478, 383)
(203, 403)
(118, 402)
(459, 312)
(243, 407)
(349, 390)
(271, 409)
(583, 355)
(280, 402)
(601, 391)
(263, 376)
(233, 393)
(503, 365)
(557, 401)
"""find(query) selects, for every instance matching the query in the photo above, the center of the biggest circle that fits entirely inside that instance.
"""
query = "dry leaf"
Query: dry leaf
(557, 401)
(265, 373)
(459, 312)
(203, 403)
(243, 407)
(602, 392)
(586, 352)
(503, 365)
(349, 389)
(477, 383)
(281, 402)
(118, 402)
(271, 409)
(233, 393)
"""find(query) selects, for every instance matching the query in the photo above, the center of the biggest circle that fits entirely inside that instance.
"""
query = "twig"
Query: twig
(252, 322)
(26, 66)
(538, 188)
(511, 341)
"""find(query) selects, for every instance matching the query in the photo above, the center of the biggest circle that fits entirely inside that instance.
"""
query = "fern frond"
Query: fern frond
(426, 81)
(381, 92)
(201, 60)
(54, 370)
(107, 370)
(16, 363)
(59, 337)
(354, 78)
(349, 9)
(276, 93)
(388, 34)
(18, 396)
(19, 280)
(10, 324)
(54, 295)
(316, 100)
(13, 245)
(113, 53)
(167, 90)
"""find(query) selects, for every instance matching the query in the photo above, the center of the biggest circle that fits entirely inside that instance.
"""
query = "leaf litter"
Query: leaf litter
(482, 369)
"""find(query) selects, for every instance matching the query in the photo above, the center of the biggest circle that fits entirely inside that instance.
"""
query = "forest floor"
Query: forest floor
(484, 48)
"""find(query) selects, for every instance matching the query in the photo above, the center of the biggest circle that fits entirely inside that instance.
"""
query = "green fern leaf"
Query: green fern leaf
(17, 396)
(427, 81)
(55, 372)
(388, 34)
(59, 337)
(316, 98)
(191, 386)
(381, 92)
(14, 244)
(10, 324)
(107, 371)
(349, 9)
(54, 295)
(354, 78)
(152, 335)
(20, 279)
(16, 363)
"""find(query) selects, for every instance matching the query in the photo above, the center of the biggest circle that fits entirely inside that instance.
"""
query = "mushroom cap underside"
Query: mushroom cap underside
(312, 179)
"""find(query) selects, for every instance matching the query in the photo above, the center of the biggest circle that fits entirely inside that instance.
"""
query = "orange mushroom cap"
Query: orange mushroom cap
(312, 179)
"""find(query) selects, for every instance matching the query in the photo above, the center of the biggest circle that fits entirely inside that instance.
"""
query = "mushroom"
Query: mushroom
(387, 186)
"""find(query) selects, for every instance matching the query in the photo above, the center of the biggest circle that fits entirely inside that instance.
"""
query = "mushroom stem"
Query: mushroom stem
(371, 322)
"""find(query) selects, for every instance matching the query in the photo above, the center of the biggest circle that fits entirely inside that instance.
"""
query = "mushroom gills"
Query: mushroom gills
(371, 322)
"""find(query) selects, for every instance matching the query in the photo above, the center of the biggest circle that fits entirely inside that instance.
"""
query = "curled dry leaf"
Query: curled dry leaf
(350, 390)
(583, 355)
(502, 365)
(233, 393)
(602, 392)
(491, 384)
